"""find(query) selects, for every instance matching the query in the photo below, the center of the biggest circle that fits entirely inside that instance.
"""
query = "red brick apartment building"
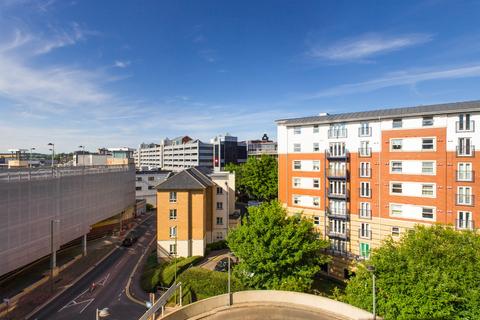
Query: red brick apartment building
(365, 176)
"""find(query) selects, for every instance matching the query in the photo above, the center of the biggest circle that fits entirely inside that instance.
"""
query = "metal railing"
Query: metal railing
(365, 172)
(365, 192)
(465, 199)
(364, 233)
(27, 174)
(338, 214)
(365, 152)
(463, 175)
(466, 151)
(467, 126)
(338, 195)
(464, 224)
(365, 131)
(337, 173)
(337, 155)
(334, 133)
(162, 301)
(338, 234)
(365, 214)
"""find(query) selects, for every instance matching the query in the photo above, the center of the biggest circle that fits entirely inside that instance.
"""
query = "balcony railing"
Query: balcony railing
(365, 214)
(465, 175)
(334, 133)
(338, 214)
(365, 131)
(365, 152)
(465, 126)
(337, 155)
(337, 173)
(365, 192)
(464, 224)
(364, 234)
(466, 151)
(338, 234)
(465, 199)
(336, 195)
(365, 173)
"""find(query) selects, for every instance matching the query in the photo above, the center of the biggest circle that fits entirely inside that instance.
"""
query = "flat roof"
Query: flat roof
(435, 109)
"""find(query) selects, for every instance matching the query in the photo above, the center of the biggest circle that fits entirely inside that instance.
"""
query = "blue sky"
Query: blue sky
(118, 73)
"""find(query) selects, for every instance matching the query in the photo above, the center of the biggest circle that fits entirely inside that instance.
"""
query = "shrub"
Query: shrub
(219, 245)
(168, 273)
(149, 207)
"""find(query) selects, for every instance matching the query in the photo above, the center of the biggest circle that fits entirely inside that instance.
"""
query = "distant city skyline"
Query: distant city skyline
(118, 73)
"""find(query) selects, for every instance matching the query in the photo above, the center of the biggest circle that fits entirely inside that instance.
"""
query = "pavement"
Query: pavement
(109, 277)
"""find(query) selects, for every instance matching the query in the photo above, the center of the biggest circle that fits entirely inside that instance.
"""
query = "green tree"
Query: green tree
(256, 179)
(276, 251)
(431, 273)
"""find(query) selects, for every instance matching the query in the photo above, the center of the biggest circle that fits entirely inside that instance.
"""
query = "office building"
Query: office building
(257, 148)
(227, 149)
(149, 156)
(193, 209)
(365, 176)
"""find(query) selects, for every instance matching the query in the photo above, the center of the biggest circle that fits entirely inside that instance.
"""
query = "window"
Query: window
(465, 147)
(428, 167)
(465, 172)
(427, 121)
(219, 236)
(173, 232)
(139, 178)
(464, 196)
(219, 220)
(316, 220)
(427, 190)
(428, 144)
(427, 213)
(219, 190)
(365, 211)
(464, 220)
(296, 182)
(396, 209)
(337, 130)
(315, 128)
(364, 250)
(395, 231)
(396, 188)
(151, 178)
(297, 130)
(396, 166)
(173, 214)
(316, 183)
(364, 130)
(296, 200)
(337, 149)
(365, 189)
(465, 123)
(297, 147)
(316, 165)
(396, 144)
(316, 201)
(365, 150)
(151, 187)
(364, 169)
(397, 123)
(173, 197)
(365, 231)
(316, 147)
(138, 188)
(297, 165)
(219, 205)
(173, 249)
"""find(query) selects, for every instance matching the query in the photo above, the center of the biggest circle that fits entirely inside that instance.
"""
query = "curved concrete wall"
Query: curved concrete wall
(249, 299)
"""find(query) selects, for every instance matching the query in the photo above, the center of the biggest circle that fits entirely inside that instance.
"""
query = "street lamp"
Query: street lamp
(53, 260)
(53, 150)
(30, 162)
(372, 270)
(229, 281)
(176, 236)
(83, 154)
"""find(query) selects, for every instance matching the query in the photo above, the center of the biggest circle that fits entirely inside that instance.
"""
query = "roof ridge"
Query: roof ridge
(194, 177)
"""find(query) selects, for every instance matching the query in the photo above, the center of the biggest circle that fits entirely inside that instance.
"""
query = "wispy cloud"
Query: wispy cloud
(398, 79)
(61, 38)
(366, 46)
(121, 63)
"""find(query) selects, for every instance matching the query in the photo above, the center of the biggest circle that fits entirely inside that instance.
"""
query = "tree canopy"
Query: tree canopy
(276, 251)
(257, 179)
(431, 273)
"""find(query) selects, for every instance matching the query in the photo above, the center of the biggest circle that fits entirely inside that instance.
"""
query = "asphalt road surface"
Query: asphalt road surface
(110, 278)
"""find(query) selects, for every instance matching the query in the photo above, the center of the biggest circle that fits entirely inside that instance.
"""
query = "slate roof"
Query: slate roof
(188, 179)
(457, 107)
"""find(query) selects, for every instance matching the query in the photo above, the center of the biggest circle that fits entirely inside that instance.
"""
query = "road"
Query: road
(110, 278)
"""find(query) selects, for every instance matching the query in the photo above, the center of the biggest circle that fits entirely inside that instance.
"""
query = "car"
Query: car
(222, 265)
(130, 239)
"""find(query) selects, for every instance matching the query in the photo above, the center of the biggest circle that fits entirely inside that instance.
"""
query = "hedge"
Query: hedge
(168, 273)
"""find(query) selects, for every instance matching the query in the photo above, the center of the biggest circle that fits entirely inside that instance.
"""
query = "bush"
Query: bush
(199, 283)
(150, 273)
(219, 245)
(150, 207)
(168, 273)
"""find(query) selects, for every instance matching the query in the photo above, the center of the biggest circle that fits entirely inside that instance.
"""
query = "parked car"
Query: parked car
(222, 265)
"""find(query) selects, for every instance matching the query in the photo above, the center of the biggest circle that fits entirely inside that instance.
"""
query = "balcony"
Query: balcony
(365, 192)
(335, 133)
(464, 199)
(467, 176)
(466, 151)
(365, 152)
(335, 195)
(337, 234)
(365, 214)
(337, 173)
(463, 224)
(337, 155)
(338, 214)
(465, 126)
(365, 234)
(365, 173)
(365, 131)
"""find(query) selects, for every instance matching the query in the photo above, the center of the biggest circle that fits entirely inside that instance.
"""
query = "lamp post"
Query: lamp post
(83, 154)
(53, 151)
(30, 162)
(53, 260)
(372, 270)
(229, 281)
(175, 279)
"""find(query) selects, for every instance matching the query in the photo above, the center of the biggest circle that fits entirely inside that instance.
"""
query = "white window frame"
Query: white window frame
(297, 147)
(395, 231)
(392, 167)
(391, 188)
(395, 209)
(297, 182)
(464, 220)
(172, 214)
(316, 147)
(432, 185)
(433, 213)
(173, 248)
(173, 197)
(365, 210)
(315, 128)
(297, 130)
(434, 144)
(316, 220)
(299, 162)
(399, 142)
(398, 121)
(434, 168)
(296, 200)
(365, 189)
(316, 165)
(465, 195)
(317, 182)
(428, 121)
(173, 232)
(316, 202)
(465, 171)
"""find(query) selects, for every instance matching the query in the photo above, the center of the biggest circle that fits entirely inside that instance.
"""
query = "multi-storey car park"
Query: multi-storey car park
(365, 176)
